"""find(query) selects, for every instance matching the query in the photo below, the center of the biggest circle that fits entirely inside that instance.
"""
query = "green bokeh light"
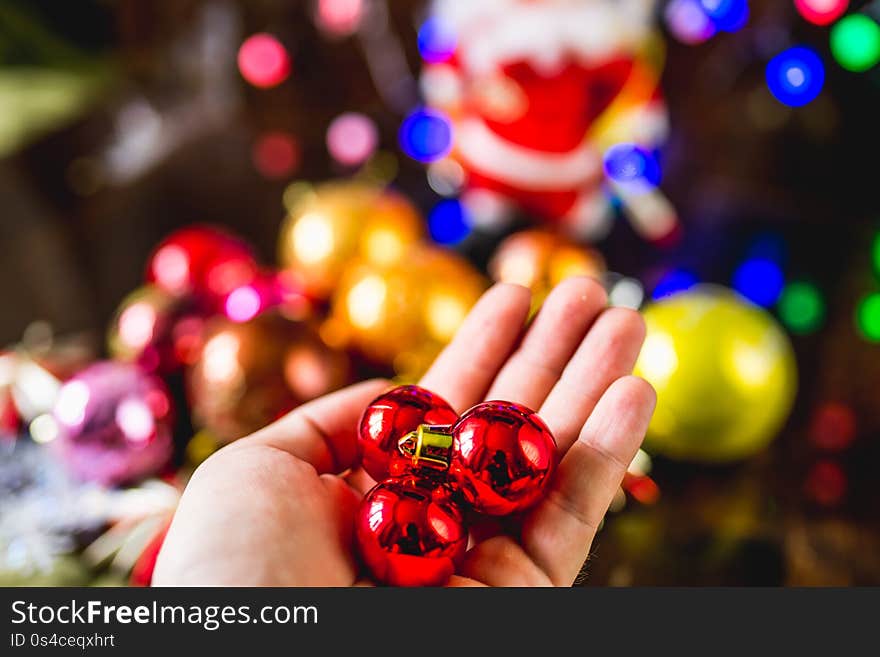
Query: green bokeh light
(801, 308)
(855, 42)
(868, 317)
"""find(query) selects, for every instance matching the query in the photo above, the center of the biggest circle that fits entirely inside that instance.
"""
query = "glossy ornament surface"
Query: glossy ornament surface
(114, 423)
(156, 330)
(409, 534)
(404, 314)
(724, 372)
(392, 416)
(503, 457)
(334, 223)
(540, 260)
(203, 262)
(251, 373)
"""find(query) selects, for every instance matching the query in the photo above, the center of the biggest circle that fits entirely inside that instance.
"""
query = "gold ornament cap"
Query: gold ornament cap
(429, 446)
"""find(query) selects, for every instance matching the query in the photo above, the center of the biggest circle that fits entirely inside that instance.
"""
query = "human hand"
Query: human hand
(277, 508)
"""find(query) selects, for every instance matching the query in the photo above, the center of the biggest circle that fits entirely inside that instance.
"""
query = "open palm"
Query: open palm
(277, 508)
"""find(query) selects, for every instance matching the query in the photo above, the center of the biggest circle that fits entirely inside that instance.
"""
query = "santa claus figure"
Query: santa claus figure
(536, 91)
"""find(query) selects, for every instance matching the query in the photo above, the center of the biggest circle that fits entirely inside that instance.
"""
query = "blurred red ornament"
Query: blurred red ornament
(114, 423)
(833, 427)
(826, 483)
(276, 154)
(10, 420)
(409, 533)
(393, 415)
(203, 262)
(155, 330)
(263, 61)
(503, 457)
(251, 373)
(142, 573)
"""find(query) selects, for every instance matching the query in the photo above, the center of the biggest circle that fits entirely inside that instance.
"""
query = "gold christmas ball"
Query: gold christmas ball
(331, 224)
(725, 375)
(404, 313)
(540, 259)
(252, 373)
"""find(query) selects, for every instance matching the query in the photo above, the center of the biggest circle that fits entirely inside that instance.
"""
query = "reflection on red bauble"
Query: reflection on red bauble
(393, 415)
(114, 423)
(410, 533)
(201, 261)
(503, 457)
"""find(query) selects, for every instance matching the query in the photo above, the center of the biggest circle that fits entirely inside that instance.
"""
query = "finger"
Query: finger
(533, 369)
(607, 353)
(324, 431)
(558, 533)
(501, 561)
(360, 481)
(464, 370)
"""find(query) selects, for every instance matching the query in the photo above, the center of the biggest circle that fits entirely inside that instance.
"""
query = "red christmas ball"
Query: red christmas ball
(503, 457)
(410, 533)
(390, 417)
(202, 261)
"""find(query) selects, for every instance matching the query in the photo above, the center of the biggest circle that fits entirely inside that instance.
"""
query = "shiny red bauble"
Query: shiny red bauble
(410, 533)
(503, 457)
(390, 417)
(203, 262)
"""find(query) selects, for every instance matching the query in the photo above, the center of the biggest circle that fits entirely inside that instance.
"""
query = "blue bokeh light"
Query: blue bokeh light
(727, 15)
(632, 165)
(673, 282)
(448, 222)
(436, 40)
(796, 76)
(760, 281)
(426, 135)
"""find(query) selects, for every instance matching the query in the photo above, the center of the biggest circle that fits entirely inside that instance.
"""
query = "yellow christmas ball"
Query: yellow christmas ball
(403, 314)
(540, 259)
(329, 225)
(724, 372)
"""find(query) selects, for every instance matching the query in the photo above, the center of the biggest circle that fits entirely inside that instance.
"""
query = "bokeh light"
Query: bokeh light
(833, 426)
(727, 15)
(868, 317)
(821, 12)
(437, 40)
(339, 17)
(632, 166)
(801, 308)
(760, 281)
(855, 42)
(426, 135)
(688, 21)
(276, 154)
(826, 483)
(796, 76)
(243, 304)
(263, 61)
(448, 222)
(674, 281)
(352, 138)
